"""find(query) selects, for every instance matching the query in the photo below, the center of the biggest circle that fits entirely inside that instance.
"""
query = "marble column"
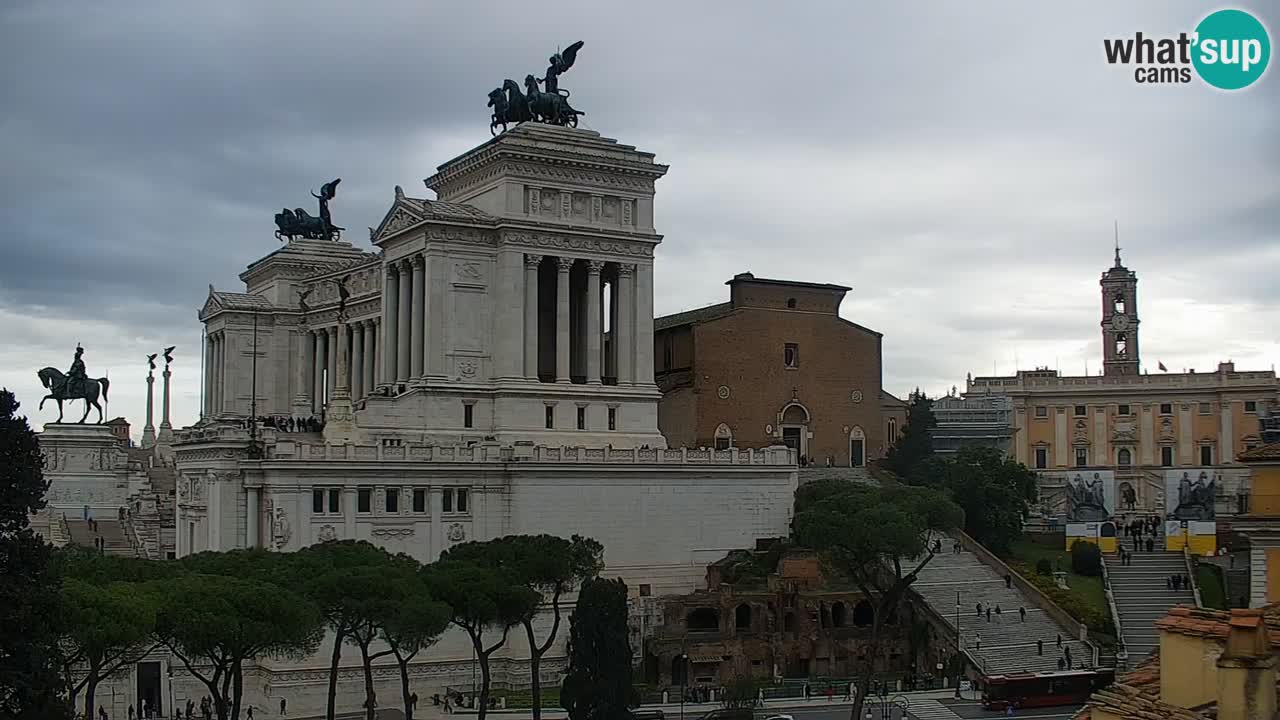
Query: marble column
(437, 281)
(357, 360)
(166, 427)
(149, 430)
(593, 321)
(370, 352)
(391, 315)
(415, 319)
(563, 265)
(624, 331)
(403, 318)
(304, 361)
(219, 377)
(252, 515)
(207, 404)
(643, 331)
(531, 263)
(331, 362)
(318, 341)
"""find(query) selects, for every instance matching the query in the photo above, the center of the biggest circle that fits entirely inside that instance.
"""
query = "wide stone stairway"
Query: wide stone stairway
(110, 530)
(1006, 643)
(1142, 597)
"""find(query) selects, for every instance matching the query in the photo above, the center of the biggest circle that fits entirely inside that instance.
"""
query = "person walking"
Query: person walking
(250, 715)
(1022, 612)
(988, 614)
(1040, 646)
(977, 641)
(284, 706)
(979, 607)
(102, 713)
(1059, 639)
(1151, 545)
(132, 714)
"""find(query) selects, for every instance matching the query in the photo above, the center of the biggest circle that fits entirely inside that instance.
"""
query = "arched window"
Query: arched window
(1124, 457)
(742, 617)
(893, 430)
(1117, 303)
(863, 614)
(1122, 344)
(839, 614)
(724, 437)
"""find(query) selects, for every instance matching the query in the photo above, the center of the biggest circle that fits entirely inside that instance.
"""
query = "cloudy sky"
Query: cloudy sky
(959, 164)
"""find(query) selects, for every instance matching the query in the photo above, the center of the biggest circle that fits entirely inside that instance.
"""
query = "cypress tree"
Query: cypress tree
(597, 685)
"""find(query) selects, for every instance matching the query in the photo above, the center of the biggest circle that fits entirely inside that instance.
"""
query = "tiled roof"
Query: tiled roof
(242, 301)
(1270, 451)
(690, 317)
(440, 210)
(1139, 704)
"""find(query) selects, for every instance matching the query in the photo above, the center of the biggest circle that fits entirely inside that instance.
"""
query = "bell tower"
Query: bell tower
(1120, 319)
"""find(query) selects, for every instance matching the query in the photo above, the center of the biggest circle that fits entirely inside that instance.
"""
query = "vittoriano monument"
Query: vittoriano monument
(75, 385)
(297, 223)
(549, 105)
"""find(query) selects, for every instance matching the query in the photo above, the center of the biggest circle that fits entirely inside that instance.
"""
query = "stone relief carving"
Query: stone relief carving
(722, 392)
(280, 530)
(561, 242)
(184, 487)
(626, 212)
(596, 205)
(1081, 430)
(327, 533)
(393, 532)
(467, 368)
(535, 201)
(456, 533)
(399, 221)
(197, 489)
(469, 271)
(470, 236)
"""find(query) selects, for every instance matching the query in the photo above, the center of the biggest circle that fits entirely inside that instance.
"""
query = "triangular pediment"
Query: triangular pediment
(211, 304)
(401, 215)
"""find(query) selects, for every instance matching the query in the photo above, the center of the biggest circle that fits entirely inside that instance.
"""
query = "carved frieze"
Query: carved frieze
(552, 241)
(469, 272)
(392, 532)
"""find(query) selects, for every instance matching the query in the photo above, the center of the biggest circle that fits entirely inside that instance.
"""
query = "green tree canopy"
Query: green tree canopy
(411, 623)
(106, 627)
(994, 490)
(216, 623)
(915, 445)
(547, 564)
(597, 684)
(878, 536)
(482, 598)
(30, 682)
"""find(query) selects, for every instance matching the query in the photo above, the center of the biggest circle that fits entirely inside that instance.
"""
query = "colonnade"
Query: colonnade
(319, 368)
(215, 357)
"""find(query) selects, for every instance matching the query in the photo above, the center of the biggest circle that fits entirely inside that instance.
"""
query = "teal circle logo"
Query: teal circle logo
(1232, 49)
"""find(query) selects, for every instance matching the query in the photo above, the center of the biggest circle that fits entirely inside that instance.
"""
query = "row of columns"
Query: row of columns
(623, 308)
(320, 365)
(407, 353)
(215, 362)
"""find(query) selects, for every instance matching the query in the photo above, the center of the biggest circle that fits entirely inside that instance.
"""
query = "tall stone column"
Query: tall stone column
(339, 425)
(403, 318)
(219, 356)
(149, 430)
(206, 405)
(415, 319)
(331, 361)
(304, 361)
(319, 339)
(437, 287)
(626, 327)
(166, 428)
(593, 321)
(370, 353)
(357, 361)
(531, 263)
(391, 319)
(563, 265)
(644, 324)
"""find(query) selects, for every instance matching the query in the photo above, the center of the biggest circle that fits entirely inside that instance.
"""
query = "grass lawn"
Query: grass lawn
(1025, 554)
(1212, 594)
(524, 698)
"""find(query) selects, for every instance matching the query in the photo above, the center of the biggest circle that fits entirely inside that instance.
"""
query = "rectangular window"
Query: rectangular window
(1206, 454)
(1206, 408)
(791, 356)
(1251, 406)
(1081, 411)
(462, 500)
(335, 500)
(1042, 411)
(317, 500)
(364, 497)
(582, 418)
(446, 500)
(1166, 456)
(1166, 408)
(419, 501)
(1042, 458)
(468, 415)
(393, 500)
(722, 443)
(1082, 457)
(1122, 410)
(613, 418)
(646, 589)
(551, 417)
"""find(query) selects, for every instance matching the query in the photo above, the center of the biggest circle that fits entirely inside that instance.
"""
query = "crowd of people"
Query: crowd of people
(284, 423)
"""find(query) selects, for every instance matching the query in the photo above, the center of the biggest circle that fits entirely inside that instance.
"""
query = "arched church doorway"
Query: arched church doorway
(857, 447)
(794, 422)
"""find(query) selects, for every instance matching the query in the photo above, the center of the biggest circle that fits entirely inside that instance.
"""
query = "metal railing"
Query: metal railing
(1191, 575)
(1122, 654)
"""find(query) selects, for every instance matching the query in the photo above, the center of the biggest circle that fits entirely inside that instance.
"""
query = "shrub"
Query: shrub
(1086, 559)
(1044, 567)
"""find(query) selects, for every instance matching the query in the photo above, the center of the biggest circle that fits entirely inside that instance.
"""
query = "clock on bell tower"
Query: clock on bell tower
(1120, 320)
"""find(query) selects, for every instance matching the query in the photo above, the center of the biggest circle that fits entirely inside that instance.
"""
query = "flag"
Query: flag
(1162, 367)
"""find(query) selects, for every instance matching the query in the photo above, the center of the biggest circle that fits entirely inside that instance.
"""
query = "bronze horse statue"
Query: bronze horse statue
(55, 381)
(552, 108)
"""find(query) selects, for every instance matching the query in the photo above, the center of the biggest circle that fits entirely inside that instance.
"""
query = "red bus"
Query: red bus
(1070, 687)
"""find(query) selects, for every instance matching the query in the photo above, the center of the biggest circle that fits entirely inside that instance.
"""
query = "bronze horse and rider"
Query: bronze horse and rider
(75, 385)
(549, 105)
(297, 223)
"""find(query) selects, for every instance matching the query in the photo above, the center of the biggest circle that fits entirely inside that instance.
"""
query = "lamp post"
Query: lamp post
(684, 679)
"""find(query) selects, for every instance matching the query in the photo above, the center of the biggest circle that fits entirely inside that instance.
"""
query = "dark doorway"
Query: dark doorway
(149, 687)
(857, 457)
(791, 438)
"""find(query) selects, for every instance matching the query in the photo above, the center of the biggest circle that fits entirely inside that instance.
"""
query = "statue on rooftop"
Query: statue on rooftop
(298, 223)
(550, 104)
(75, 385)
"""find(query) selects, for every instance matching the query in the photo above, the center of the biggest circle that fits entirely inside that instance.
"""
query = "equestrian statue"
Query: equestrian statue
(75, 385)
(547, 105)
(297, 223)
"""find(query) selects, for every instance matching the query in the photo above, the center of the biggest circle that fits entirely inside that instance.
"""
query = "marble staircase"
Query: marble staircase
(112, 531)
(1142, 597)
(1006, 643)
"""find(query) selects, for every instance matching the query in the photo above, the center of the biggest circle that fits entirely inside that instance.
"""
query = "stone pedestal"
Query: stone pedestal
(339, 417)
(85, 465)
